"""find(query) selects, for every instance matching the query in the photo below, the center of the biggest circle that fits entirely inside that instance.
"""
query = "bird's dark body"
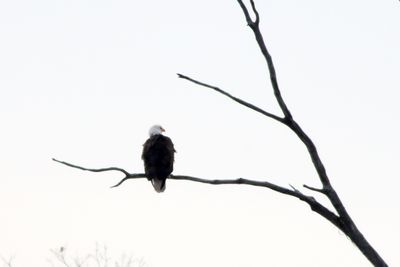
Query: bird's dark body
(158, 157)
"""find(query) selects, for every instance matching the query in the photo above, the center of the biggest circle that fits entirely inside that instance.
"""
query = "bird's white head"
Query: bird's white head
(156, 129)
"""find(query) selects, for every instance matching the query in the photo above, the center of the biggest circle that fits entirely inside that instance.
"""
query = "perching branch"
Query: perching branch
(340, 218)
(314, 205)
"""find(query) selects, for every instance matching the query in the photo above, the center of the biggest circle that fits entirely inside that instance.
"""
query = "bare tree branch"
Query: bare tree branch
(127, 174)
(322, 191)
(294, 188)
(8, 262)
(246, 13)
(60, 256)
(349, 227)
(99, 258)
(93, 170)
(342, 220)
(257, 33)
(253, 6)
(314, 205)
(236, 99)
(346, 223)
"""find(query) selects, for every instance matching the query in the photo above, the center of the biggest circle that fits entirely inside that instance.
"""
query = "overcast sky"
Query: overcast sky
(82, 81)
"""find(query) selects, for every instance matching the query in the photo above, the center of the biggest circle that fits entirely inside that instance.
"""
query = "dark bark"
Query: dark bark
(314, 205)
(349, 227)
(339, 217)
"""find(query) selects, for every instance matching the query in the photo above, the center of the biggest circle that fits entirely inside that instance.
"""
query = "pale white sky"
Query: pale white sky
(82, 81)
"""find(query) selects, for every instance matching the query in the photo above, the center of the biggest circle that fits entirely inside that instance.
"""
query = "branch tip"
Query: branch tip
(317, 207)
(294, 188)
(253, 6)
(322, 191)
(234, 98)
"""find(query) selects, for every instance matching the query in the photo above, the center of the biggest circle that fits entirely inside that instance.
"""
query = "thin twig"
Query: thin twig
(322, 191)
(93, 170)
(7, 262)
(127, 174)
(295, 189)
(131, 176)
(236, 99)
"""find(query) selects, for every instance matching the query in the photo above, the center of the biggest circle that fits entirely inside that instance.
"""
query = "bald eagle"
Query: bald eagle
(158, 156)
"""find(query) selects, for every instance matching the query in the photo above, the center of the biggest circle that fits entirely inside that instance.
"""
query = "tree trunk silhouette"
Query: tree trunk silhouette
(339, 217)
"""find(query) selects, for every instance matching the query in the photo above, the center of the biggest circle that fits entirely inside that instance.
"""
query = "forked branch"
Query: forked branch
(127, 174)
(255, 26)
(347, 224)
(340, 218)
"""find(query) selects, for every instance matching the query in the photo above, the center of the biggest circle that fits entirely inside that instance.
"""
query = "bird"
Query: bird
(158, 157)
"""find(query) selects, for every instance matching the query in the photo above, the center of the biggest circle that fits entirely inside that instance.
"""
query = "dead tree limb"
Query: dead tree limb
(314, 204)
(345, 224)
(348, 225)
(339, 217)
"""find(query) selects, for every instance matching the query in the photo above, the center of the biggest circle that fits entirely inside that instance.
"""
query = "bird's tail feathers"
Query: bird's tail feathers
(159, 185)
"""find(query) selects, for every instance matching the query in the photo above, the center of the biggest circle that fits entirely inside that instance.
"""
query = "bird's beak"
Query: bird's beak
(162, 129)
